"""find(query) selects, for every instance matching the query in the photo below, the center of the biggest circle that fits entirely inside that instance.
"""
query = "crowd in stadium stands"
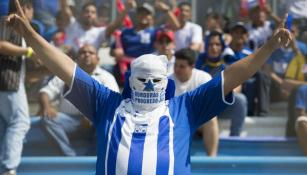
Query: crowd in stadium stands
(195, 54)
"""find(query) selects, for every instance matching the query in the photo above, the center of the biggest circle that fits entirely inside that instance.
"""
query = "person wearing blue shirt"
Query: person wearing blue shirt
(140, 39)
(279, 61)
(214, 61)
(144, 134)
(256, 87)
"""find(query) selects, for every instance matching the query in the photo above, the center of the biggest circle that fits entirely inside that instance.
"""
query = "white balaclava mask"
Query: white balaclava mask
(148, 82)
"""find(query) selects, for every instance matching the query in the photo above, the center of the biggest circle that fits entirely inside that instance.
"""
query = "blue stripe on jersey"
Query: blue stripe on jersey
(136, 150)
(163, 146)
(114, 143)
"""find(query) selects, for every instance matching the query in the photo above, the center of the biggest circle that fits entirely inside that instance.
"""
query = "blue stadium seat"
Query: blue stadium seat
(200, 165)
(38, 144)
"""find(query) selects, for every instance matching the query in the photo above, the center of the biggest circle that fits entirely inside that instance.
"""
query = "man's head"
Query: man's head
(184, 64)
(87, 58)
(88, 14)
(214, 22)
(165, 42)
(258, 16)
(26, 5)
(239, 34)
(185, 12)
(145, 16)
(214, 44)
(148, 81)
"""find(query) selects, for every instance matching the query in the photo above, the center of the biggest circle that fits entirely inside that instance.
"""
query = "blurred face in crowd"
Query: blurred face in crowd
(214, 47)
(29, 11)
(165, 46)
(239, 37)
(183, 70)
(258, 16)
(89, 15)
(213, 24)
(295, 30)
(88, 58)
(185, 13)
(144, 19)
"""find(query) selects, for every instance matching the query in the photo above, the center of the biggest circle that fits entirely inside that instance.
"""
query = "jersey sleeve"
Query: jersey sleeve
(207, 101)
(91, 98)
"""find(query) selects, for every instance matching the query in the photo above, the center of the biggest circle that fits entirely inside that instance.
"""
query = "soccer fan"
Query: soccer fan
(187, 78)
(165, 45)
(189, 35)
(14, 112)
(145, 134)
(69, 122)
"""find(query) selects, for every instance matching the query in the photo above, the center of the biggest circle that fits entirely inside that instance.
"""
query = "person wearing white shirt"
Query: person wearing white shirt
(187, 78)
(84, 31)
(189, 35)
(68, 121)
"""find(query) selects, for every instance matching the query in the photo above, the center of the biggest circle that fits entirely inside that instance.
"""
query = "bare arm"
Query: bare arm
(56, 61)
(172, 19)
(120, 18)
(270, 12)
(240, 71)
(8, 48)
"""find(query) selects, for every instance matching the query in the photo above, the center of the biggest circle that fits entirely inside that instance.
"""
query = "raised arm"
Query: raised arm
(172, 19)
(56, 61)
(130, 4)
(240, 71)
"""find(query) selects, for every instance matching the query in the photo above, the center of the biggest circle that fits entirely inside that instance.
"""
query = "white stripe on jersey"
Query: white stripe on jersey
(150, 150)
(122, 159)
(171, 145)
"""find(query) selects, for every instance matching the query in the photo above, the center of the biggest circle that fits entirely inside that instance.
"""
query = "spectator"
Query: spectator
(165, 45)
(260, 29)
(140, 39)
(187, 78)
(279, 61)
(256, 88)
(211, 61)
(215, 22)
(189, 35)
(69, 122)
(14, 113)
(84, 32)
(145, 130)
(295, 77)
(301, 122)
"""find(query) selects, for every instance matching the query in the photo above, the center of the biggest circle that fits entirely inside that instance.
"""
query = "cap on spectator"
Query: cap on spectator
(146, 7)
(239, 25)
(165, 33)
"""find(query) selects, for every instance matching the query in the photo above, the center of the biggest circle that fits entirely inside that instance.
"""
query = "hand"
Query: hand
(19, 21)
(48, 112)
(287, 85)
(162, 6)
(282, 36)
(130, 4)
(268, 9)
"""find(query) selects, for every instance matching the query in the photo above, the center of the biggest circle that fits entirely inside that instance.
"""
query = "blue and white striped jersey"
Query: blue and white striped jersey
(155, 143)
